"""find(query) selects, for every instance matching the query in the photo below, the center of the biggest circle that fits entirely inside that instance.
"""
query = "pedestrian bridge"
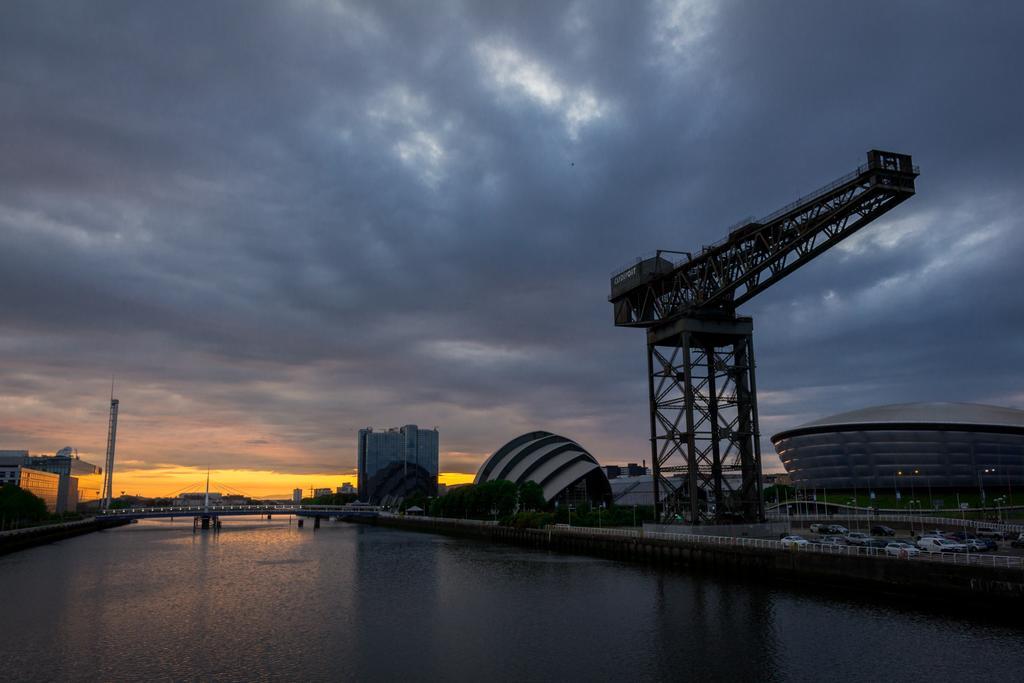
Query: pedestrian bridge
(338, 511)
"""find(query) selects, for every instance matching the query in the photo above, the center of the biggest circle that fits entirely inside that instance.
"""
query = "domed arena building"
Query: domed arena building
(563, 469)
(938, 445)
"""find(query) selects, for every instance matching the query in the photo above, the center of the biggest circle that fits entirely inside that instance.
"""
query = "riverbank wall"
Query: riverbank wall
(916, 577)
(20, 539)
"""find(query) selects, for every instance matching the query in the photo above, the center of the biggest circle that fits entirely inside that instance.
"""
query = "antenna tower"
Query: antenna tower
(108, 470)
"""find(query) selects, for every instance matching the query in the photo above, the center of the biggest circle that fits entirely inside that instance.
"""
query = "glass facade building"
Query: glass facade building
(397, 462)
(78, 480)
(936, 445)
(45, 485)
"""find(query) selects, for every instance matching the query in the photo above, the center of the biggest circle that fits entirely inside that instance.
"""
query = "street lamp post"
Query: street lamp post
(1000, 504)
(854, 511)
(899, 473)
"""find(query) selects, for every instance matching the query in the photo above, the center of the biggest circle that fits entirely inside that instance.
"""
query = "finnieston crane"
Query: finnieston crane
(700, 356)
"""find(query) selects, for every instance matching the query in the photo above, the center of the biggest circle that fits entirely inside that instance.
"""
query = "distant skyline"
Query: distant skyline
(278, 222)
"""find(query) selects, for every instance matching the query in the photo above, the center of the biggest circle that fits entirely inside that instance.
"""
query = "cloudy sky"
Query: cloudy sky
(279, 222)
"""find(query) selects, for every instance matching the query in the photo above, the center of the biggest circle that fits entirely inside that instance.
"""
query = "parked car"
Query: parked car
(792, 542)
(1018, 542)
(857, 538)
(934, 544)
(991, 532)
(882, 530)
(833, 540)
(901, 549)
(875, 543)
(934, 532)
(975, 544)
(816, 528)
(834, 529)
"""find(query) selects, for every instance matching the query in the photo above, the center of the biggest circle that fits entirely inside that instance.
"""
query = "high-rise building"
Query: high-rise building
(396, 463)
(297, 496)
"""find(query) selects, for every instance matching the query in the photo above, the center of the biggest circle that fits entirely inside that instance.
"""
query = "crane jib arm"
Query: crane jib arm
(757, 254)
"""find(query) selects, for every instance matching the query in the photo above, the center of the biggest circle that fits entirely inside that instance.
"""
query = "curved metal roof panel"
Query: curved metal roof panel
(918, 414)
(567, 477)
(553, 461)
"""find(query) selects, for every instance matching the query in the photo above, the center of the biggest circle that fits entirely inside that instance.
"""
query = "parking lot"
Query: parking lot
(1004, 549)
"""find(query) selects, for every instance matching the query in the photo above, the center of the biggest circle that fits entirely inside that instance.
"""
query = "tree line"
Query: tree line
(19, 507)
(523, 506)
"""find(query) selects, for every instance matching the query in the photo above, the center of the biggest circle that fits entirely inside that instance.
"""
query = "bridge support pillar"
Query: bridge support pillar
(205, 522)
(300, 522)
(316, 522)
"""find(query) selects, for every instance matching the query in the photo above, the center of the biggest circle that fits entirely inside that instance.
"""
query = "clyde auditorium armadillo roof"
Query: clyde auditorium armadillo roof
(552, 461)
(968, 416)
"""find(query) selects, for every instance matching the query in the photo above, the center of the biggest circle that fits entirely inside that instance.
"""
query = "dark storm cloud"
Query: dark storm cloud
(298, 219)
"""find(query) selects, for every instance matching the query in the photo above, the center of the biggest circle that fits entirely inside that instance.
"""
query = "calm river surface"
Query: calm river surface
(268, 601)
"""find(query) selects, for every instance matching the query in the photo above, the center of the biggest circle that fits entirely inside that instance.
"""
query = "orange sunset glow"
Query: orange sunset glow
(162, 481)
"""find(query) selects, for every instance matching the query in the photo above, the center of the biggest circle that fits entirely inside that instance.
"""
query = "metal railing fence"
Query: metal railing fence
(916, 520)
(970, 558)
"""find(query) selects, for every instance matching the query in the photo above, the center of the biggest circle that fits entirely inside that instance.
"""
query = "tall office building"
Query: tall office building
(396, 463)
(296, 496)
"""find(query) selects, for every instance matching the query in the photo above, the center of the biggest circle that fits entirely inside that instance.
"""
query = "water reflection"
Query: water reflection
(730, 621)
(266, 600)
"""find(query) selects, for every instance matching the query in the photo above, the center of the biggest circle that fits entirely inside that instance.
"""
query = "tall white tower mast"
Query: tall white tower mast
(108, 470)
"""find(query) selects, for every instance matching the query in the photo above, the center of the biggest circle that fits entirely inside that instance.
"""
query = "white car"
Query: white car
(833, 541)
(901, 549)
(934, 532)
(990, 532)
(790, 542)
(932, 544)
(857, 538)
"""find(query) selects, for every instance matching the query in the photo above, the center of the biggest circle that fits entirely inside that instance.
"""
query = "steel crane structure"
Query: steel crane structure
(700, 357)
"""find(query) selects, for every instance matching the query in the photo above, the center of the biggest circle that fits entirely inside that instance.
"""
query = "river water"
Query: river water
(263, 600)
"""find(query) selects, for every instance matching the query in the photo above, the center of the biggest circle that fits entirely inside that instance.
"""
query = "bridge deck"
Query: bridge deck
(233, 510)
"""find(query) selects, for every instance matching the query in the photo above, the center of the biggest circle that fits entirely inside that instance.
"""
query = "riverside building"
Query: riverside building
(922, 446)
(396, 463)
(45, 485)
(76, 479)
